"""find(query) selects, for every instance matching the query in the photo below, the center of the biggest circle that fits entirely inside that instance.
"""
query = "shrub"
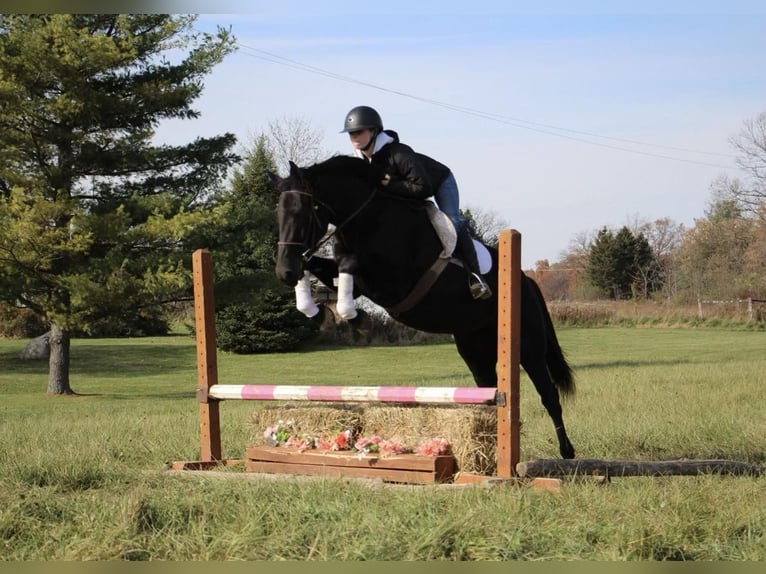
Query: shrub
(142, 324)
(20, 323)
(267, 324)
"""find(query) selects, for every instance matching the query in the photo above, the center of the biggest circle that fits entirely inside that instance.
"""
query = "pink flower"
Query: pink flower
(433, 447)
(301, 443)
(368, 444)
(324, 444)
(391, 447)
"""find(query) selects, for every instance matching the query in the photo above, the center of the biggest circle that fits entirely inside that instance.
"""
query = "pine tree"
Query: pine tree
(601, 263)
(621, 265)
(95, 216)
(248, 242)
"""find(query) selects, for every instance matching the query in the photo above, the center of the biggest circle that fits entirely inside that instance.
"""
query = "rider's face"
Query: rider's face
(360, 139)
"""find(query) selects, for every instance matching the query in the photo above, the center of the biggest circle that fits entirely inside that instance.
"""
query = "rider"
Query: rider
(412, 174)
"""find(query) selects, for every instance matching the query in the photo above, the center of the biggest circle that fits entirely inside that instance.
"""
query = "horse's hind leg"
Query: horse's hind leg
(479, 351)
(549, 395)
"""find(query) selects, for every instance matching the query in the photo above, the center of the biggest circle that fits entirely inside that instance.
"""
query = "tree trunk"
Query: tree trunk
(58, 363)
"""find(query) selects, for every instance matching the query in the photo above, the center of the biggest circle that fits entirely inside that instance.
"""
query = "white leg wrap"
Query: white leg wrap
(303, 300)
(345, 305)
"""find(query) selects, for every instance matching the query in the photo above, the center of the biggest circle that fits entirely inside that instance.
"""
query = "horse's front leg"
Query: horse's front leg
(345, 305)
(304, 300)
(323, 269)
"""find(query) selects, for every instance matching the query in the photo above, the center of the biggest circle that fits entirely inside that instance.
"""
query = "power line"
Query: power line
(507, 120)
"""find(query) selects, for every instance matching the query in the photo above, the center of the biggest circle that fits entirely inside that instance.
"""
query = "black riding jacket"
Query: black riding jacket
(412, 174)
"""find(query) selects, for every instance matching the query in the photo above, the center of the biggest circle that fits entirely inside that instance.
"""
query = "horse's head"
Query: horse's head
(299, 225)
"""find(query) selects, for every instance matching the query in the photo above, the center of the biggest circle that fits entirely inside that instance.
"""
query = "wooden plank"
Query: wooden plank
(202, 464)
(617, 468)
(445, 463)
(387, 475)
(546, 484)
(207, 366)
(399, 468)
(470, 478)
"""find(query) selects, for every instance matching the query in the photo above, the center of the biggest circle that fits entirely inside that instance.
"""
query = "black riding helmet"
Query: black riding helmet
(362, 118)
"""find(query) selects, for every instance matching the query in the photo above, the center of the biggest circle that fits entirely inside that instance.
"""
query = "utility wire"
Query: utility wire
(508, 120)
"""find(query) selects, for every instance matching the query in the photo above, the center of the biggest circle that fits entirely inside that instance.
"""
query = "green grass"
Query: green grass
(82, 476)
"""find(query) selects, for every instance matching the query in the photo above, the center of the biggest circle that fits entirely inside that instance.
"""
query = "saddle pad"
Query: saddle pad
(446, 232)
(444, 229)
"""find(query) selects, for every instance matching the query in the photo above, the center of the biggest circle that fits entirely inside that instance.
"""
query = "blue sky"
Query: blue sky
(557, 117)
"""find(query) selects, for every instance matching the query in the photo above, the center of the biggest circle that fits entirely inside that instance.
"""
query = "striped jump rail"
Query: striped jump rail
(417, 395)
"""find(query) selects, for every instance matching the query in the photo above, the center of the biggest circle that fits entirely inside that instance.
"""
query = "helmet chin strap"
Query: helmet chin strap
(370, 145)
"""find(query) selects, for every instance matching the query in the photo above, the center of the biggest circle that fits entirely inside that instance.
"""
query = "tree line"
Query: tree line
(722, 256)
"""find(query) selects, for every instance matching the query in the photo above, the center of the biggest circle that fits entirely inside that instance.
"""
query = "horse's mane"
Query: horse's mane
(345, 166)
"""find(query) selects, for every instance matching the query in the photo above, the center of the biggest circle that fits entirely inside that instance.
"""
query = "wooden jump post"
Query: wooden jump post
(403, 468)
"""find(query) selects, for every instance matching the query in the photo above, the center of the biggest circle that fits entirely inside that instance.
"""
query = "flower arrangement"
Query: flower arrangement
(286, 433)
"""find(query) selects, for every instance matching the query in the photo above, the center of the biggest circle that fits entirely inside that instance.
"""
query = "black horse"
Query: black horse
(389, 246)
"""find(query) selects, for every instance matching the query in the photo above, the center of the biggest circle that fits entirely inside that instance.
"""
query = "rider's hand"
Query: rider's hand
(386, 179)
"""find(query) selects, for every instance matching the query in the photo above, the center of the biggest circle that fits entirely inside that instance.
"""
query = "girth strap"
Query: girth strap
(425, 283)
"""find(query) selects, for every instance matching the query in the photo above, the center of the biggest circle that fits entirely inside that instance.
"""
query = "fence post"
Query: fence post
(508, 351)
(207, 364)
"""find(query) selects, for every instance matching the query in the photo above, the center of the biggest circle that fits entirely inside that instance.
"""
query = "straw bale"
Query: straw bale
(470, 430)
(311, 419)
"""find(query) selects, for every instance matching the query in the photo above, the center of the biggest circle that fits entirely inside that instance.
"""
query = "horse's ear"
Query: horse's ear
(296, 173)
(273, 177)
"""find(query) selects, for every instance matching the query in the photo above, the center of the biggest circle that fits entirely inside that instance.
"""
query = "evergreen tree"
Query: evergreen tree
(601, 262)
(246, 244)
(94, 216)
(621, 265)
(255, 312)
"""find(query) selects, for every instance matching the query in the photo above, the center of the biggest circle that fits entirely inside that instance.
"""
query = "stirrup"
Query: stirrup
(478, 287)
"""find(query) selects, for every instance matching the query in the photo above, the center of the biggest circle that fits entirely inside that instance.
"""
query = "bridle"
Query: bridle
(314, 207)
(308, 252)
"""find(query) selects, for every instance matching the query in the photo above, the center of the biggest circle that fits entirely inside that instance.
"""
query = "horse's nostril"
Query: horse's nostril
(287, 276)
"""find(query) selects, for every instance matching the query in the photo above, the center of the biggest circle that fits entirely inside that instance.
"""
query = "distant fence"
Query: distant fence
(748, 306)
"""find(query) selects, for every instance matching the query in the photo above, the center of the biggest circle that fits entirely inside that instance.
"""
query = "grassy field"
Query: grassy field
(82, 476)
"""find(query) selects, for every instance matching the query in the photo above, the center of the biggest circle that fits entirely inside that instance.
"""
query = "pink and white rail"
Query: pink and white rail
(418, 395)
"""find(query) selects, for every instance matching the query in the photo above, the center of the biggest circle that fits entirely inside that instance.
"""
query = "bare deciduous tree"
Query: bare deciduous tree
(751, 145)
(294, 139)
(664, 235)
(486, 224)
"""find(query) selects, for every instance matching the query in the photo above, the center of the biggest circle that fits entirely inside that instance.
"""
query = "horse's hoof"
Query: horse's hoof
(568, 452)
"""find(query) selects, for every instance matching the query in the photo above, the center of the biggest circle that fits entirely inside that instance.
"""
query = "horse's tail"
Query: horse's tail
(561, 372)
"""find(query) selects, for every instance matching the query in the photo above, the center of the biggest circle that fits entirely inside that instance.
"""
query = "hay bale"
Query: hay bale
(471, 431)
(311, 419)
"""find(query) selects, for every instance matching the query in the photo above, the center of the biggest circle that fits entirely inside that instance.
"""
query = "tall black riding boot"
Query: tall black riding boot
(467, 253)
